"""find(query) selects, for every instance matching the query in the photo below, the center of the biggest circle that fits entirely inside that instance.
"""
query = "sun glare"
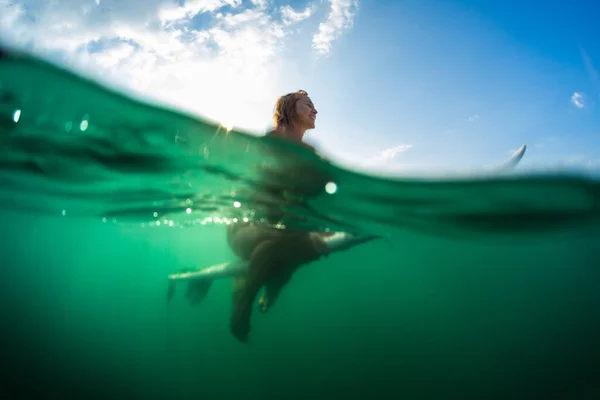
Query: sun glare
(227, 125)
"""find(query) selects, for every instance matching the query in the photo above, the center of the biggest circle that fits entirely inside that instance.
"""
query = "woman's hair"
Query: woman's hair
(285, 108)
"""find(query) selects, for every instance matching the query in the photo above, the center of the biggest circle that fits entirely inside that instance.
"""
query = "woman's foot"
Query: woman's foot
(263, 303)
(240, 318)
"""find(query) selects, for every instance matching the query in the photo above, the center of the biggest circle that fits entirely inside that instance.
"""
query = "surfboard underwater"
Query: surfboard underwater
(204, 276)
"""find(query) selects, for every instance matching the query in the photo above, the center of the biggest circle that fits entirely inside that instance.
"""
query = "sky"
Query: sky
(400, 86)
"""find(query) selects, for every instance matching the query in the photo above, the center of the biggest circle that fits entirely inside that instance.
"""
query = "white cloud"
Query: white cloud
(370, 160)
(175, 12)
(473, 117)
(260, 3)
(229, 69)
(340, 17)
(578, 99)
(11, 12)
(291, 16)
(390, 154)
(112, 57)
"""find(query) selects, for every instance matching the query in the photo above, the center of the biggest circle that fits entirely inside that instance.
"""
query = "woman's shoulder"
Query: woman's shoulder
(278, 135)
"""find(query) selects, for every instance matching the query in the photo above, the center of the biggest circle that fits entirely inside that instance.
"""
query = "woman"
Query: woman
(275, 254)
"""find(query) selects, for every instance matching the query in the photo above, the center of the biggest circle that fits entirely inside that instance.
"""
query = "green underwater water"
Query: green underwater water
(485, 287)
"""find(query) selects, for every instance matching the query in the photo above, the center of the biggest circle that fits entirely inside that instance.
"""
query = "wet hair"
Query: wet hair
(285, 108)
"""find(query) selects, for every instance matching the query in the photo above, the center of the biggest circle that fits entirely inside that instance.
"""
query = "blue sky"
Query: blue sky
(400, 85)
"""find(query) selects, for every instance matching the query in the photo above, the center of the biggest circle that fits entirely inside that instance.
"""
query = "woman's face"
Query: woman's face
(306, 114)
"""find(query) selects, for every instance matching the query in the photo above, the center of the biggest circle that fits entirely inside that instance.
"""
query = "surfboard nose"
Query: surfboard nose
(343, 241)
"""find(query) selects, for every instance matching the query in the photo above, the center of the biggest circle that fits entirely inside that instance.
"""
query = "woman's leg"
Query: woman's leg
(272, 263)
(273, 288)
(263, 264)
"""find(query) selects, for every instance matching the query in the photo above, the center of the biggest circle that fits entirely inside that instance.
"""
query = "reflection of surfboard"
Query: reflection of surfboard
(201, 278)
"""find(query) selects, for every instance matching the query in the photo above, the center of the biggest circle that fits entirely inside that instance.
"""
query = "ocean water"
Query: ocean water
(484, 287)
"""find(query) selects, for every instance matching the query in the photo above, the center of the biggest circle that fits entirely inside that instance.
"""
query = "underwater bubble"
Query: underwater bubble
(331, 187)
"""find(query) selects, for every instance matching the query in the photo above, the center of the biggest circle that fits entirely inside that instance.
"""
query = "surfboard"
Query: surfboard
(200, 279)
(514, 159)
(338, 241)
